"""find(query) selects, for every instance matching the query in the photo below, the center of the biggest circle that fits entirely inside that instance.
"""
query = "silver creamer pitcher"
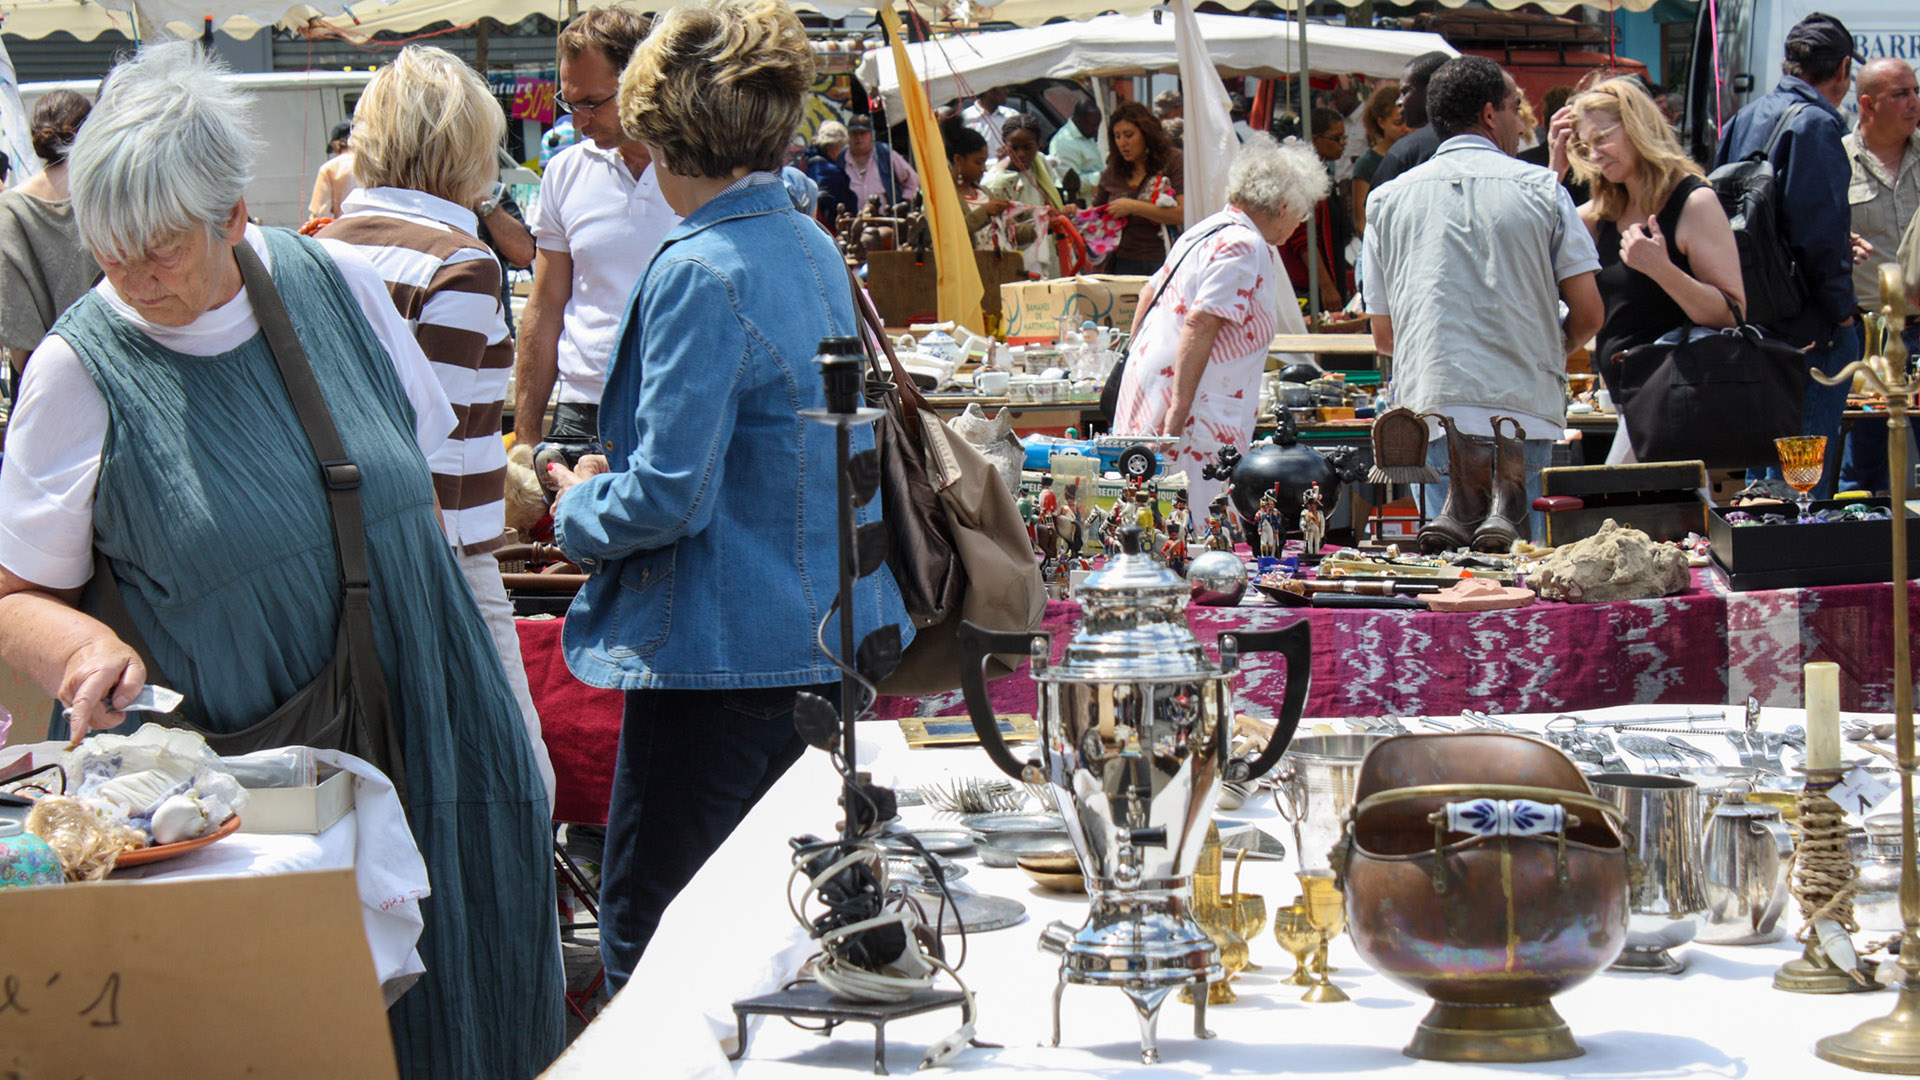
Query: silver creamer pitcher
(1134, 744)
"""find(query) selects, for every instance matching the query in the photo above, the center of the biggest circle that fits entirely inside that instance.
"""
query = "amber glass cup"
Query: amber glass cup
(1803, 459)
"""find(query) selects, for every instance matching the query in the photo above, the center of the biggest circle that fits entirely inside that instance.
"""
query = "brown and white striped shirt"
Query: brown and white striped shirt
(446, 284)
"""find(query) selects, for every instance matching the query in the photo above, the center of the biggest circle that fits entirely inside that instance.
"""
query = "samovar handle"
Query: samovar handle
(977, 643)
(1294, 642)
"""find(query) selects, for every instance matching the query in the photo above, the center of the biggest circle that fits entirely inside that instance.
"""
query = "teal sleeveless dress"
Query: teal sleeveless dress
(211, 512)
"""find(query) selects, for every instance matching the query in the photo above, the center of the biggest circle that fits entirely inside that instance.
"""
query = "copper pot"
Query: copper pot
(1489, 925)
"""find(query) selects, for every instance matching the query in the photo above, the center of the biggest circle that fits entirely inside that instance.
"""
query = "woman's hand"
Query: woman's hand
(100, 681)
(1643, 247)
(589, 466)
(1174, 423)
(1125, 207)
(1559, 134)
(995, 207)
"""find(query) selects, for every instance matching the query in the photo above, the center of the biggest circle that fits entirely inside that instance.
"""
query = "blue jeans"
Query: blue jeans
(1864, 466)
(1824, 405)
(1538, 454)
(691, 764)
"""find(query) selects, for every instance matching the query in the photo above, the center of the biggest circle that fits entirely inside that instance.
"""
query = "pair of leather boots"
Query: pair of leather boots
(1487, 507)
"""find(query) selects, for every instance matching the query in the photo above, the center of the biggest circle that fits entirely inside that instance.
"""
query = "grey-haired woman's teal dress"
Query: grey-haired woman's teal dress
(211, 512)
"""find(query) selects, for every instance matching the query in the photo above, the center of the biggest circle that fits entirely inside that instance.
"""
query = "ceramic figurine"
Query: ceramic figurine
(1313, 520)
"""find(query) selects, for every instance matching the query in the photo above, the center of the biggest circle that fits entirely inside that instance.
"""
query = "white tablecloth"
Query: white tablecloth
(729, 936)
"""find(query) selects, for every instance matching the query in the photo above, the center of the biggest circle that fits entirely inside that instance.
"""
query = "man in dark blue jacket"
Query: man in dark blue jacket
(1813, 172)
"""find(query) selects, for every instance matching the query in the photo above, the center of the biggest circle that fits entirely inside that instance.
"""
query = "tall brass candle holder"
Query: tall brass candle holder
(1891, 1044)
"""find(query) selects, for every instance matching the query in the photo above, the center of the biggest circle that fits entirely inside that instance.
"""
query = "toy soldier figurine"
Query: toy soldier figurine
(1313, 521)
(1217, 538)
(1045, 531)
(1110, 531)
(1182, 515)
(1025, 506)
(1068, 523)
(1144, 517)
(1153, 504)
(1272, 528)
(1174, 551)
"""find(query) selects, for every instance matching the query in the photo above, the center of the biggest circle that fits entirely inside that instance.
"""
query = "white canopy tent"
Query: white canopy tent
(88, 19)
(1121, 45)
(1036, 12)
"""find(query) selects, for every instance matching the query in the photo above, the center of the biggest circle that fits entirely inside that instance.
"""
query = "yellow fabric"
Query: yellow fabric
(958, 274)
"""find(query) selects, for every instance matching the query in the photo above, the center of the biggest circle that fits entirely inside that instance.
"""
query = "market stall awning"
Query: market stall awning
(88, 19)
(1036, 12)
(1120, 45)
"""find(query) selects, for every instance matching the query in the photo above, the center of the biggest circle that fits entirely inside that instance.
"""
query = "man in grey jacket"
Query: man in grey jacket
(1468, 258)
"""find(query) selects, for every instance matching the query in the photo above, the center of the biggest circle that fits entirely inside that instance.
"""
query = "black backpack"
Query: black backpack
(1749, 192)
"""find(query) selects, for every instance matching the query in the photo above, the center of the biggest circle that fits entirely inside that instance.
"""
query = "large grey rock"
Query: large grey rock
(1617, 563)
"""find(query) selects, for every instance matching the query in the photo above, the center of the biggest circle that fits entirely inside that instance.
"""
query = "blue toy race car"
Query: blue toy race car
(1134, 457)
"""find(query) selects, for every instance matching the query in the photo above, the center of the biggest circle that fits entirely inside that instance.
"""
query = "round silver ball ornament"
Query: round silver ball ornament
(1217, 578)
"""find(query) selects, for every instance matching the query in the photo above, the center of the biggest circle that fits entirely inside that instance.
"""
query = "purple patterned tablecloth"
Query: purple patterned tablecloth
(1703, 646)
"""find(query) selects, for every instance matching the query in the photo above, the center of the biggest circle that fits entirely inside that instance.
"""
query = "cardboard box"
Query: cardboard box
(1033, 308)
(310, 810)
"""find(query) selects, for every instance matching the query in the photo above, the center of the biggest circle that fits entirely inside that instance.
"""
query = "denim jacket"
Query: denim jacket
(1812, 172)
(712, 545)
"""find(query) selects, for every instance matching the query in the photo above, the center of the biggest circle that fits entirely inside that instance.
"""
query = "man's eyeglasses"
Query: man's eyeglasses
(583, 106)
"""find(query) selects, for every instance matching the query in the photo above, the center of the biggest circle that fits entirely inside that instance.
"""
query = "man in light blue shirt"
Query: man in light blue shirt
(1468, 258)
(1077, 146)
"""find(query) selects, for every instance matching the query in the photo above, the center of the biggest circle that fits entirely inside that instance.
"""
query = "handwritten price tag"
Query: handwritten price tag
(1860, 791)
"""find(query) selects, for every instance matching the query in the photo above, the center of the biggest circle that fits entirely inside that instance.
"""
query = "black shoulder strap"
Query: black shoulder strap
(1780, 126)
(341, 478)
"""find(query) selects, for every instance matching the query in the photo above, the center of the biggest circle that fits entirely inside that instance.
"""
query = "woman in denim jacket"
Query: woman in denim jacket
(711, 539)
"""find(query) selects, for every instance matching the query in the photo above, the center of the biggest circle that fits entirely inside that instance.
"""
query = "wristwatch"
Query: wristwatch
(487, 206)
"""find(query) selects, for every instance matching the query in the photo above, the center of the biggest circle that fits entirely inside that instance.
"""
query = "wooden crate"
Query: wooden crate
(904, 288)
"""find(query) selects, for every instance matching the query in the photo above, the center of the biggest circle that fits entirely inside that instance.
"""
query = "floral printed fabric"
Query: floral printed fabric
(1223, 267)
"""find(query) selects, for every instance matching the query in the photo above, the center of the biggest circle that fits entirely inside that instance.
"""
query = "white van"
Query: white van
(1751, 42)
(294, 113)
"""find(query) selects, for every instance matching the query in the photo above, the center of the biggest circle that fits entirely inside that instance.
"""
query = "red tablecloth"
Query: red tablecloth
(1706, 645)
(1703, 646)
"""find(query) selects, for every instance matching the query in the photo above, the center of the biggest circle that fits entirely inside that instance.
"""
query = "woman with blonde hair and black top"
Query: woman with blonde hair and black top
(1667, 253)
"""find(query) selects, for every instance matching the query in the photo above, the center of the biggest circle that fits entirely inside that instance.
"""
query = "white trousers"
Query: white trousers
(490, 593)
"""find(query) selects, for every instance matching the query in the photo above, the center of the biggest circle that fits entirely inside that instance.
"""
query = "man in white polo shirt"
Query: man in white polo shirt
(600, 219)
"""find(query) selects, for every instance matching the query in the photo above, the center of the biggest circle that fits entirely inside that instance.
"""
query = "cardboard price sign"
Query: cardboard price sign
(223, 977)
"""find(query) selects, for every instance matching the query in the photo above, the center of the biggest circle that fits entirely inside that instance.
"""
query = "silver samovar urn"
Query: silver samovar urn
(1134, 744)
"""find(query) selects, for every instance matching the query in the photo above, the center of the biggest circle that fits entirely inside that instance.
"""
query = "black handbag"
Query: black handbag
(345, 707)
(1718, 396)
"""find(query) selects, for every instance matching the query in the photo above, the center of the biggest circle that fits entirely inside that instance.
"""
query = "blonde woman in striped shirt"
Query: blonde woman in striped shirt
(424, 151)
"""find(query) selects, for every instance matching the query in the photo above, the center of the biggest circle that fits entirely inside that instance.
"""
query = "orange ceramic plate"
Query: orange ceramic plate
(163, 852)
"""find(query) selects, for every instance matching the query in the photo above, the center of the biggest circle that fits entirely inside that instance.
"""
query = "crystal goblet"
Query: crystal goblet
(1803, 460)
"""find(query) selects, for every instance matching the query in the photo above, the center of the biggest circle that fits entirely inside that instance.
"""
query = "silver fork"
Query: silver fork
(1659, 757)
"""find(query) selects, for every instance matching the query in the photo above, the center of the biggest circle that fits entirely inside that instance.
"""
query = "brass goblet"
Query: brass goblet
(1326, 911)
(1296, 934)
(1249, 918)
(1249, 910)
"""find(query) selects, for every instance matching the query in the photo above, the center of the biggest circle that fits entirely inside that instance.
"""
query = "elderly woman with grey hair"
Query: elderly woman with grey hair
(1201, 331)
(156, 457)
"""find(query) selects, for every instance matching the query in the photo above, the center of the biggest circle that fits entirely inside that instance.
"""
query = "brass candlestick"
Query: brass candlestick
(1891, 1044)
